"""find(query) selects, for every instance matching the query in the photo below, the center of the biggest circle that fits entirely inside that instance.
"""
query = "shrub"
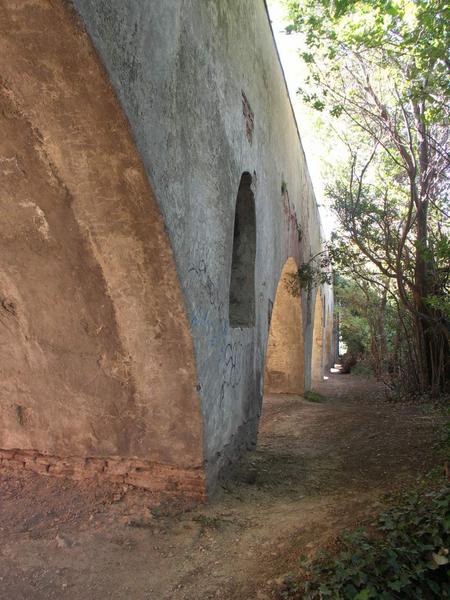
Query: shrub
(403, 555)
(313, 396)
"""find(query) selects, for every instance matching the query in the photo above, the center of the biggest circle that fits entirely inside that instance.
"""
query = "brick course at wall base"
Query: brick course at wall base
(188, 483)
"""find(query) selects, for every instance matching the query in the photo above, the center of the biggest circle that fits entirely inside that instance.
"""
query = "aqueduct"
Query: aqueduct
(154, 194)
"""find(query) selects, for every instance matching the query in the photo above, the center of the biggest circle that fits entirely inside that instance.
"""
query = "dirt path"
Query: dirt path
(319, 467)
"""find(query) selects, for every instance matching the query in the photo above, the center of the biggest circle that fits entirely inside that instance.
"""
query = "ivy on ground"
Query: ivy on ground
(403, 554)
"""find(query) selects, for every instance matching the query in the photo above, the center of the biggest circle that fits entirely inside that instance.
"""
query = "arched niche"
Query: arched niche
(284, 371)
(317, 356)
(242, 279)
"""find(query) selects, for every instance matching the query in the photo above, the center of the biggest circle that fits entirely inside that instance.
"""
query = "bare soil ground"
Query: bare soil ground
(319, 468)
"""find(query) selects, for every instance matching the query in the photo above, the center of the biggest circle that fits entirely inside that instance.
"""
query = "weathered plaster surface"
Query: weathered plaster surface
(284, 372)
(115, 291)
(92, 319)
(317, 356)
(180, 70)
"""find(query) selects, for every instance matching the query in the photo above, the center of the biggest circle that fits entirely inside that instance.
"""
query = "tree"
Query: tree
(360, 324)
(380, 68)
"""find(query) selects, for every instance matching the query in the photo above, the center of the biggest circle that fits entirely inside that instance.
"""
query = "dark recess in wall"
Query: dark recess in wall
(242, 281)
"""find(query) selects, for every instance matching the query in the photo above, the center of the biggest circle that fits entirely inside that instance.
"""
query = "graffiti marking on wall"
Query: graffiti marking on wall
(232, 369)
(208, 285)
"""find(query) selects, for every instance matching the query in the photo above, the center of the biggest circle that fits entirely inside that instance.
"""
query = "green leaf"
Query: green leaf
(440, 559)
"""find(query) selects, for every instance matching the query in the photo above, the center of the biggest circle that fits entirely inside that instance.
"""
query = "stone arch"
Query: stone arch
(97, 357)
(284, 371)
(317, 355)
(328, 352)
(242, 279)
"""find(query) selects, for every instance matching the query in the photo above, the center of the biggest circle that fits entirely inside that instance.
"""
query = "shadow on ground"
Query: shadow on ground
(319, 467)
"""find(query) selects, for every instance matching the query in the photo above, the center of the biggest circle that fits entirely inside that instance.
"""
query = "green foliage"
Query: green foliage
(443, 445)
(313, 396)
(362, 369)
(207, 522)
(352, 305)
(438, 254)
(310, 274)
(378, 76)
(411, 36)
(404, 554)
(439, 303)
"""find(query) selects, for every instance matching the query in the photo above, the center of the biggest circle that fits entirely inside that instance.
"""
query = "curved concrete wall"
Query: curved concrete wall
(204, 92)
(285, 359)
(123, 285)
(92, 318)
(317, 367)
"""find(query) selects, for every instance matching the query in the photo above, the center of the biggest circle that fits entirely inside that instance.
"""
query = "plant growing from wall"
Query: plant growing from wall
(311, 274)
